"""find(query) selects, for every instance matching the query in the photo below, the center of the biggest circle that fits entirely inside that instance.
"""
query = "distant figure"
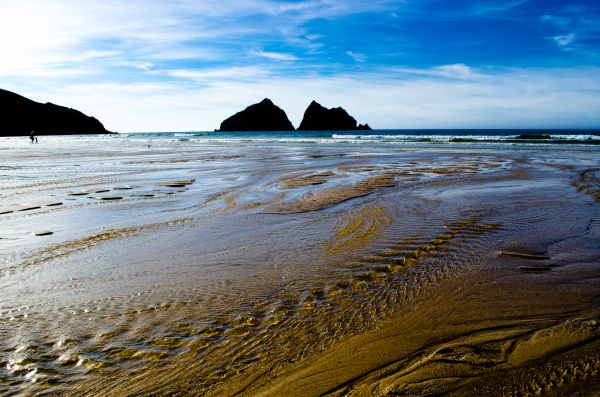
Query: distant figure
(36, 140)
(31, 136)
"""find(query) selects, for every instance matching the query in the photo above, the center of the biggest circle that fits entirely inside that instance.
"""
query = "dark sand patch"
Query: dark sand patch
(29, 207)
(42, 233)
(525, 255)
(588, 182)
(97, 190)
(257, 204)
(534, 268)
(229, 197)
(7, 209)
(46, 203)
(176, 183)
(403, 173)
(359, 168)
(318, 156)
(216, 197)
(307, 180)
(106, 198)
(324, 198)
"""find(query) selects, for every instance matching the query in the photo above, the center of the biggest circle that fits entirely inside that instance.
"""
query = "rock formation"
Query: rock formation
(262, 116)
(319, 118)
(20, 116)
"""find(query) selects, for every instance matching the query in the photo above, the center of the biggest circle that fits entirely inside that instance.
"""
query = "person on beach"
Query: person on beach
(31, 136)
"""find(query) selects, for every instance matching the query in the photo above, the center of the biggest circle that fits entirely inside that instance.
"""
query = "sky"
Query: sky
(184, 65)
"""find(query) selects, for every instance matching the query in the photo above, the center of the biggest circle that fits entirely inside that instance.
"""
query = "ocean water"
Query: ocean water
(486, 138)
(203, 263)
(514, 139)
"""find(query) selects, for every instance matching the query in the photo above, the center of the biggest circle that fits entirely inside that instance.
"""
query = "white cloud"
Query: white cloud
(488, 9)
(360, 58)
(556, 20)
(276, 56)
(564, 40)
(216, 74)
(458, 71)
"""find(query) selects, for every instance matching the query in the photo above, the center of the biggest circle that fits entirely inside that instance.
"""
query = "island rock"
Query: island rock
(262, 116)
(319, 118)
(21, 116)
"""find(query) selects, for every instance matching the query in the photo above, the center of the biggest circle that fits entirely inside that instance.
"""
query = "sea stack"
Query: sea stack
(20, 116)
(262, 116)
(319, 118)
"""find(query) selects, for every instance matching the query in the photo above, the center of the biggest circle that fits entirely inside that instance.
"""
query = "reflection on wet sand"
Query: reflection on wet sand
(296, 271)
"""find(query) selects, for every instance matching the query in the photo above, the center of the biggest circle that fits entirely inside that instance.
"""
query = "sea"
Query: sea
(485, 138)
(515, 139)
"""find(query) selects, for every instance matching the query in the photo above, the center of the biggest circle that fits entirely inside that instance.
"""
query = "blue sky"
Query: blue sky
(186, 65)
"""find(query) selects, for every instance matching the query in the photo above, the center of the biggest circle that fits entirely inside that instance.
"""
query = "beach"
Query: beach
(199, 264)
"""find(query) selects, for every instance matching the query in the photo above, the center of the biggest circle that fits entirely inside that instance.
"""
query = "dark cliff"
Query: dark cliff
(262, 116)
(20, 116)
(319, 118)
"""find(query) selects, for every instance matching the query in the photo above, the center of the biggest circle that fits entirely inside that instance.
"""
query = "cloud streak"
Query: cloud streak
(564, 40)
(276, 56)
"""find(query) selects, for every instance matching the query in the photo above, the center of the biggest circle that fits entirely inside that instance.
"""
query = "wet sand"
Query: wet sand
(188, 269)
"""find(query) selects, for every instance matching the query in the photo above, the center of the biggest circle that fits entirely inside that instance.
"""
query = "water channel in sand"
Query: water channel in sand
(300, 269)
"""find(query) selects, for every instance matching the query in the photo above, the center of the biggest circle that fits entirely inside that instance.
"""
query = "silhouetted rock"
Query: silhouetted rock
(262, 116)
(20, 116)
(319, 118)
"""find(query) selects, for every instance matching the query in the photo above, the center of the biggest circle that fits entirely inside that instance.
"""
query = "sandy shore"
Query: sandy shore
(187, 269)
(491, 334)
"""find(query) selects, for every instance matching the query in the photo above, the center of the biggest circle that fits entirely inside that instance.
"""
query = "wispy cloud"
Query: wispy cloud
(216, 74)
(493, 7)
(458, 71)
(276, 56)
(564, 40)
(357, 57)
(556, 20)
(577, 29)
(484, 9)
